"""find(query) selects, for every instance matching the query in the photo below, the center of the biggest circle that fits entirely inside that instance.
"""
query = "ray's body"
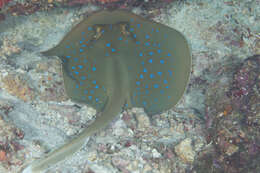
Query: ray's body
(116, 59)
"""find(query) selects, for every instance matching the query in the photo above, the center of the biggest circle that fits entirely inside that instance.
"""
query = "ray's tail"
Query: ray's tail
(71, 147)
(113, 108)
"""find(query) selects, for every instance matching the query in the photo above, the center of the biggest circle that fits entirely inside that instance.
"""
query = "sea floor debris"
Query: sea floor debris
(217, 120)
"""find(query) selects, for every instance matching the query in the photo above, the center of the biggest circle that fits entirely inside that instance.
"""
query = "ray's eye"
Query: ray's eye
(99, 30)
(124, 28)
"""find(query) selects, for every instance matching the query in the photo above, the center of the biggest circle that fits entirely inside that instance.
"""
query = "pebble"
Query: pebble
(231, 149)
(119, 128)
(184, 151)
(156, 154)
(92, 156)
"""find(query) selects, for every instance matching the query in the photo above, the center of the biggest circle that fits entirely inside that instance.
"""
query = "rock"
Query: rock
(120, 163)
(8, 48)
(184, 151)
(51, 86)
(143, 120)
(133, 166)
(231, 149)
(147, 168)
(17, 86)
(11, 151)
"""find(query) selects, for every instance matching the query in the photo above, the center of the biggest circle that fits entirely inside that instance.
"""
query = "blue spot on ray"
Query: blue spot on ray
(156, 86)
(147, 44)
(170, 72)
(162, 61)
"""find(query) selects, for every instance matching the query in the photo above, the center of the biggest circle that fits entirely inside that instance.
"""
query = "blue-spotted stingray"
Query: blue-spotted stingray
(114, 60)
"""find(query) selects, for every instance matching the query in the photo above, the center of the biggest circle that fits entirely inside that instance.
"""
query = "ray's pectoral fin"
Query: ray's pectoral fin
(56, 51)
